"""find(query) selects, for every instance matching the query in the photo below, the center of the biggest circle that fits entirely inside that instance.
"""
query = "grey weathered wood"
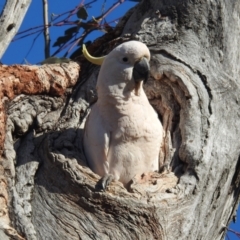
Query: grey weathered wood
(46, 29)
(195, 88)
(11, 19)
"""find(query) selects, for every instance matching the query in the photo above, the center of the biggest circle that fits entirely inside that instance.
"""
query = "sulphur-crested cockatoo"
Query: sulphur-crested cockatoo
(122, 134)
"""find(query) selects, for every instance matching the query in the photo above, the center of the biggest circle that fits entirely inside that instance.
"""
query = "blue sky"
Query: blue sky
(235, 227)
(17, 52)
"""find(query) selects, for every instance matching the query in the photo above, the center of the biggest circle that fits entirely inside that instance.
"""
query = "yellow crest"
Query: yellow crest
(94, 60)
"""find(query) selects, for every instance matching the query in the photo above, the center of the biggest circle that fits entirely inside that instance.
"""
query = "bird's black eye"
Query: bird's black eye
(125, 59)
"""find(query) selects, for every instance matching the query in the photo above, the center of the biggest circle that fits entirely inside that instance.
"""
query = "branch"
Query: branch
(51, 79)
(46, 29)
(11, 19)
(70, 40)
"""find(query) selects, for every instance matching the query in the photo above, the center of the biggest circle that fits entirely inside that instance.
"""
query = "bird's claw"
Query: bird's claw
(104, 182)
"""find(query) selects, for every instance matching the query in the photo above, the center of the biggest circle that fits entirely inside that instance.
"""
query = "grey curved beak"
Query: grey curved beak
(141, 70)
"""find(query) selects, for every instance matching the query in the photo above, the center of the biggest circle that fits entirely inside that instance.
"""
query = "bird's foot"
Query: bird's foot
(104, 182)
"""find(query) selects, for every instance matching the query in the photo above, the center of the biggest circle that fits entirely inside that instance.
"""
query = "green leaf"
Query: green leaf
(82, 13)
(53, 60)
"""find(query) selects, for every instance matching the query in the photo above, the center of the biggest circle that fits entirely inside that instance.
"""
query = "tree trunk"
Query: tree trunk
(48, 190)
(11, 20)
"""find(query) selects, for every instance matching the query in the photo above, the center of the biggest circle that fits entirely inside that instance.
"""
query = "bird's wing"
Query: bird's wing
(96, 142)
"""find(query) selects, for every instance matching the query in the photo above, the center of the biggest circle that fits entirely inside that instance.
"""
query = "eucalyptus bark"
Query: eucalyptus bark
(11, 20)
(194, 87)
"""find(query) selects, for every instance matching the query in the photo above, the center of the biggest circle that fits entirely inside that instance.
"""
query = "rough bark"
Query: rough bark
(11, 20)
(194, 87)
(18, 83)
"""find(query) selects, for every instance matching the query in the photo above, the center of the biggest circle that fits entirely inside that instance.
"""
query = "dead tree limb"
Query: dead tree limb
(11, 20)
(194, 87)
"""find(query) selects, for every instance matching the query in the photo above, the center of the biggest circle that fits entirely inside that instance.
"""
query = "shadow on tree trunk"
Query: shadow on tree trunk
(194, 87)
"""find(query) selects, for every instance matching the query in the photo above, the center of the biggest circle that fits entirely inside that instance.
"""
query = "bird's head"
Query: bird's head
(124, 69)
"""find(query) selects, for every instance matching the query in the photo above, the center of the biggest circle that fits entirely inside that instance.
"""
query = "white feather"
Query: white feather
(122, 133)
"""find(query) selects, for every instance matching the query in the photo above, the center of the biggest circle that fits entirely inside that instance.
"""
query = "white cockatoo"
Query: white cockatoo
(122, 134)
